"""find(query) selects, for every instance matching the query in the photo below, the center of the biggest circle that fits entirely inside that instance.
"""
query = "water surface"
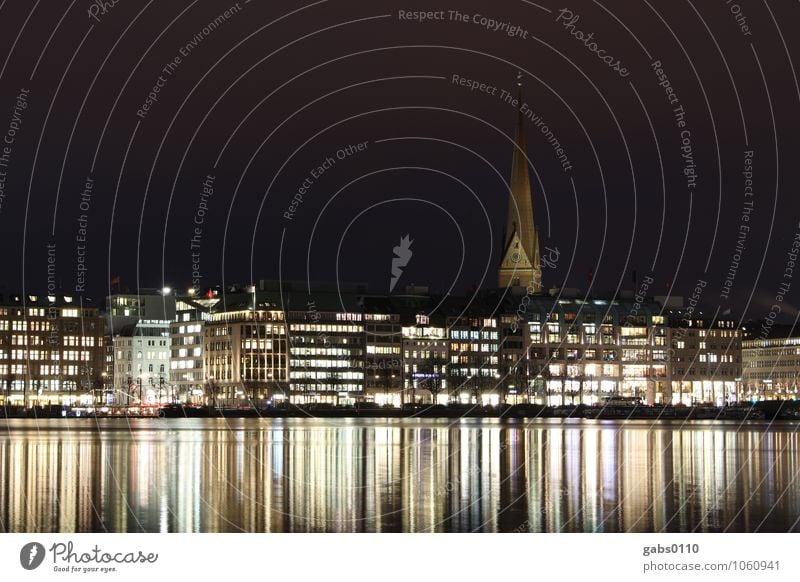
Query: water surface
(397, 475)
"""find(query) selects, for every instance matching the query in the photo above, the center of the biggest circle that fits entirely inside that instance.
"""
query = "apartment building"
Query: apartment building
(141, 364)
(51, 351)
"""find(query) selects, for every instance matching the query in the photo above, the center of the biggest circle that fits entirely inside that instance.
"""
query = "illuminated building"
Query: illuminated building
(383, 369)
(425, 359)
(514, 386)
(141, 363)
(259, 350)
(473, 368)
(246, 357)
(126, 309)
(51, 351)
(770, 368)
(187, 349)
(583, 350)
(327, 356)
(706, 360)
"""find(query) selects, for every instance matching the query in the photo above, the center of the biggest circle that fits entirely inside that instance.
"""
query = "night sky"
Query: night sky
(193, 124)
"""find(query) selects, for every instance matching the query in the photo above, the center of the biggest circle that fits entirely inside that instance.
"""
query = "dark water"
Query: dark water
(343, 475)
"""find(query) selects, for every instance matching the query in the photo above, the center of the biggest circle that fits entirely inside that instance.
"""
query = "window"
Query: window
(610, 370)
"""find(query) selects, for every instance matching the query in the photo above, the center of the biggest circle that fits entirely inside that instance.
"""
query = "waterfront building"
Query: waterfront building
(514, 386)
(327, 355)
(561, 349)
(187, 348)
(276, 344)
(425, 359)
(246, 351)
(474, 359)
(582, 350)
(51, 351)
(123, 310)
(499, 346)
(141, 363)
(770, 367)
(705, 359)
(383, 340)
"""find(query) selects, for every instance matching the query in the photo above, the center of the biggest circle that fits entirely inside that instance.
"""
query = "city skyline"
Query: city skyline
(356, 267)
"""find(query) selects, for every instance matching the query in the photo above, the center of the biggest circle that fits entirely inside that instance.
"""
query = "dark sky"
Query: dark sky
(263, 98)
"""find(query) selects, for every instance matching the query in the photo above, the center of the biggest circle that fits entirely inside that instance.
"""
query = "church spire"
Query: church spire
(520, 258)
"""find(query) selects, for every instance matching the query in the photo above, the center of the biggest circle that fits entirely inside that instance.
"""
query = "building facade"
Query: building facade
(474, 360)
(560, 350)
(142, 364)
(187, 349)
(123, 310)
(425, 361)
(383, 367)
(51, 351)
(770, 368)
(327, 357)
(257, 349)
(706, 360)
(246, 356)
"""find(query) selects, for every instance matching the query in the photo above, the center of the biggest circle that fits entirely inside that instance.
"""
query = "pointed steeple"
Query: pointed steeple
(520, 258)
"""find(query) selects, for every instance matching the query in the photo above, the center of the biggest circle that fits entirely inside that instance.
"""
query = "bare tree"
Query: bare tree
(212, 389)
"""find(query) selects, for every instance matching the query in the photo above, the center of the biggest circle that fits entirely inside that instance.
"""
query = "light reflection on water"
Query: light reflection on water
(343, 475)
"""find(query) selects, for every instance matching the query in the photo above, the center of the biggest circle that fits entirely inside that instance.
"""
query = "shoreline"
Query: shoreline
(762, 411)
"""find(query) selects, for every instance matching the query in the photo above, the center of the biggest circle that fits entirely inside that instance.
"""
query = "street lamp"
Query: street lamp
(252, 289)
